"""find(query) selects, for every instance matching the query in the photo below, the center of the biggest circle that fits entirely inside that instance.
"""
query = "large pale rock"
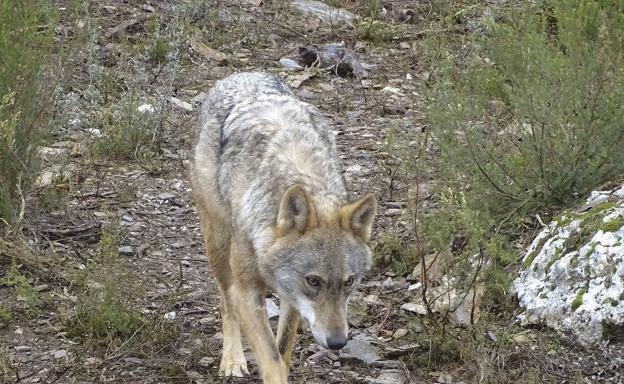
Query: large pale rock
(572, 277)
(324, 12)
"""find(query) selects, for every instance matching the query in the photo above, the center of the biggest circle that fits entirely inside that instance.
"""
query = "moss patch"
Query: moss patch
(613, 224)
(578, 300)
(555, 257)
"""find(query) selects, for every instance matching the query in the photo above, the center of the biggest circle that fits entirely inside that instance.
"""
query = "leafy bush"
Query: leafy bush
(25, 38)
(533, 117)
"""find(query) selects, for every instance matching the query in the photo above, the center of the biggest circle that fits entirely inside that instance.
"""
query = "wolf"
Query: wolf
(275, 218)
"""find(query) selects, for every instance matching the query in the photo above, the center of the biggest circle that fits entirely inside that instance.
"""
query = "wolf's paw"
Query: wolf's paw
(233, 366)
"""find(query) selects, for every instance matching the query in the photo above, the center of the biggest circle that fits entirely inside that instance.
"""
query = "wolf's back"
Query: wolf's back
(238, 89)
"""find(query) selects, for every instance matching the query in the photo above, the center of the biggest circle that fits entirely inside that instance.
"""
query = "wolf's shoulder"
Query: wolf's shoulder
(241, 89)
(249, 85)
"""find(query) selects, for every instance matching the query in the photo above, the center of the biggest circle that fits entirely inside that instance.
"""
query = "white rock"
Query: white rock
(166, 196)
(170, 316)
(94, 132)
(323, 12)
(360, 348)
(181, 104)
(146, 108)
(126, 250)
(573, 273)
(206, 361)
(414, 286)
(392, 90)
(416, 308)
(401, 332)
(290, 64)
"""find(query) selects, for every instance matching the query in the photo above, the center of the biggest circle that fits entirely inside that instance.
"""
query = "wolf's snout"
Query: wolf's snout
(336, 340)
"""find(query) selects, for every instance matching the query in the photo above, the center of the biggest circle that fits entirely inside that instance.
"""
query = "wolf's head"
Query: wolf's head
(317, 260)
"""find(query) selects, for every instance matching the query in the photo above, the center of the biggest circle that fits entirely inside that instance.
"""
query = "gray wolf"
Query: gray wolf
(275, 217)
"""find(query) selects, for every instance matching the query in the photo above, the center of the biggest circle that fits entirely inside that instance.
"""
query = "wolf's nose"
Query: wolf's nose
(336, 340)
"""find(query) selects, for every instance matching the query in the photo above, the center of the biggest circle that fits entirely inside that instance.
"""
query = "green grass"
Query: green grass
(613, 225)
(22, 286)
(126, 133)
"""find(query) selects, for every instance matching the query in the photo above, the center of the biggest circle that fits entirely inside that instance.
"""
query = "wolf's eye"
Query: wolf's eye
(313, 281)
(349, 282)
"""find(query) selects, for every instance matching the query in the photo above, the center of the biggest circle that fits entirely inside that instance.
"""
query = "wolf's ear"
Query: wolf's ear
(358, 217)
(295, 212)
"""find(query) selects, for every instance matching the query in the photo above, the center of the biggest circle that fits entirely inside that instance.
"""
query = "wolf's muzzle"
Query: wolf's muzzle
(336, 340)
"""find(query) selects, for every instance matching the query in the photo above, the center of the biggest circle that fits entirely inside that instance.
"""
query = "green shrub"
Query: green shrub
(25, 39)
(103, 310)
(376, 31)
(533, 118)
(126, 133)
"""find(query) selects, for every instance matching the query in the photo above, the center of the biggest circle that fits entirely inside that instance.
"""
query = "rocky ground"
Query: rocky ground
(162, 55)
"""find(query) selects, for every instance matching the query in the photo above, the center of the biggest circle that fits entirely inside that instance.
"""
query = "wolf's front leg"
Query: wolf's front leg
(257, 330)
(233, 362)
(287, 331)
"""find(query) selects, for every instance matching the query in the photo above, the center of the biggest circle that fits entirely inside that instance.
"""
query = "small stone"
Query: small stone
(392, 376)
(394, 212)
(61, 353)
(387, 284)
(22, 348)
(206, 361)
(414, 287)
(166, 196)
(126, 250)
(146, 108)
(373, 300)
(392, 90)
(181, 104)
(290, 64)
(399, 333)
(405, 45)
(445, 378)
(415, 308)
(170, 316)
(206, 320)
(360, 348)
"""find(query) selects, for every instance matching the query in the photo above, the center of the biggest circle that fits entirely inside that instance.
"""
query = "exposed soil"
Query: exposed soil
(159, 240)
